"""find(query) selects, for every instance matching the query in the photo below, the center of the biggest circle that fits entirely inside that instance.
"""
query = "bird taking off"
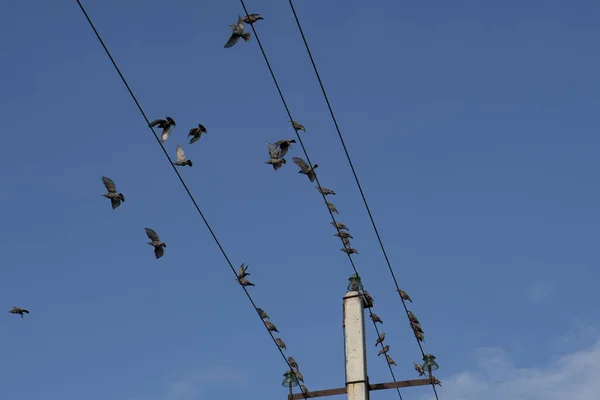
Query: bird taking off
(196, 133)
(17, 310)
(115, 198)
(275, 157)
(298, 126)
(238, 32)
(159, 246)
(325, 191)
(181, 160)
(305, 169)
(242, 271)
(284, 145)
(251, 18)
(165, 125)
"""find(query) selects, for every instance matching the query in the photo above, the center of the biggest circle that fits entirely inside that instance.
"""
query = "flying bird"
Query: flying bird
(115, 198)
(404, 295)
(246, 282)
(390, 360)
(17, 310)
(156, 242)
(376, 318)
(238, 32)
(292, 362)
(385, 349)
(332, 207)
(419, 369)
(165, 125)
(242, 271)
(339, 225)
(413, 318)
(343, 234)
(196, 133)
(280, 343)
(271, 327)
(298, 126)
(181, 160)
(276, 159)
(284, 146)
(349, 251)
(252, 18)
(325, 191)
(380, 339)
(262, 313)
(305, 169)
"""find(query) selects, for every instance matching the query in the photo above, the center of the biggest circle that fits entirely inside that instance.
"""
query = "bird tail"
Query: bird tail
(189, 162)
(246, 36)
(121, 197)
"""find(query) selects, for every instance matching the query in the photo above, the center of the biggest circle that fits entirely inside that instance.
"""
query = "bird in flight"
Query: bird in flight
(115, 198)
(238, 32)
(165, 125)
(156, 242)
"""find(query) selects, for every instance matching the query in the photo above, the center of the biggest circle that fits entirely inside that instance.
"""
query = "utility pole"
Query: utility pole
(357, 380)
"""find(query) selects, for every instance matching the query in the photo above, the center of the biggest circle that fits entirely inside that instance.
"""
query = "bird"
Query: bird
(390, 360)
(181, 160)
(416, 327)
(276, 159)
(246, 282)
(325, 191)
(419, 369)
(115, 198)
(299, 375)
(280, 343)
(298, 126)
(346, 241)
(303, 389)
(292, 362)
(420, 337)
(436, 381)
(305, 169)
(262, 313)
(412, 317)
(343, 234)
(251, 18)
(196, 133)
(380, 339)
(238, 32)
(242, 271)
(349, 250)
(368, 297)
(385, 349)
(166, 125)
(159, 245)
(339, 225)
(332, 207)
(284, 145)
(404, 295)
(271, 327)
(376, 318)
(17, 310)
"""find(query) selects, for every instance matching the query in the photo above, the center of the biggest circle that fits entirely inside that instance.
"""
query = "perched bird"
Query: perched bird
(339, 225)
(262, 313)
(284, 146)
(251, 18)
(298, 126)
(380, 339)
(404, 295)
(280, 343)
(325, 191)
(390, 360)
(413, 318)
(419, 369)
(416, 327)
(343, 234)
(420, 337)
(196, 133)
(276, 159)
(305, 169)
(346, 241)
(271, 327)
(385, 349)
(17, 310)
(165, 125)
(292, 362)
(181, 160)
(159, 246)
(242, 271)
(368, 298)
(299, 375)
(115, 198)
(376, 318)
(246, 282)
(349, 251)
(332, 208)
(436, 381)
(238, 32)
(303, 389)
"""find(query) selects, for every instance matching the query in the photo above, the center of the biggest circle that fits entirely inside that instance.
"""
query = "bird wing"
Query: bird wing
(194, 131)
(202, 128)
(25, 311)
(233, 39)
(301, 163)
(115, 203)
(158, 252)
(165, 133)
(274, 152)
(110, 185)
(180, 153)
(171, 121)
(152, 235)
(156, 122)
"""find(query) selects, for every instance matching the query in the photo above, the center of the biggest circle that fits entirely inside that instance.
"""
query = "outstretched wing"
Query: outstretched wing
(274, 153)
(158, 252)
(180, 153)
(152, 235)
(110, 185)
(115, 203)
(202, 128)
(156, 122)
(301, 163)
(171, 121)
(233, 39)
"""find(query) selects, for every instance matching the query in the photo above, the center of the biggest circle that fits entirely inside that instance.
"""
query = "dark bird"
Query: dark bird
(280, 343)
(339, 225)
(346, 241)
(349, 251)
(298, 126)
(332, 208)
(17, 310)
(242, 271)
(115, 198)
(238, 32)
(181, 160)
(292, 362)
(159, 246)
(262, 313)
(305, 169)
(376, 318)
(419, 369)
(416, 327)
(165, 125)
(252, 18)
(404, 295)
(390, 360)
(275, 157)
(246, 282)
(284, 146)
(380, 339)
(196, 133)
(413, 318)
(368, 298)
(385, 349)
(299, 375)
(325, 191)
(436, 381)
(271, 327)
(343, 234)
(420, 336)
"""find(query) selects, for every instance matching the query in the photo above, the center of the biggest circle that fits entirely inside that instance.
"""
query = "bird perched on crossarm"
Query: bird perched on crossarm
(115, 198)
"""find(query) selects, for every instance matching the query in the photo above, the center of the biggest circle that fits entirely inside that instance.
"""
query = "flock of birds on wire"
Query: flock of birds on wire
(277, 151)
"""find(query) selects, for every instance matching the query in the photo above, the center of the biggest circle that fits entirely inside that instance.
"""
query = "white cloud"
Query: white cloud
(574, 376)
(192, 384)
(541, 290)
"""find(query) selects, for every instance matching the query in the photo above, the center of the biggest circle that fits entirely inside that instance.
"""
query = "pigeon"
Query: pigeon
(299, 375)
(325, 191)
(298, 126)
(246, 282)
(390, 360)
(292, 362)
(262, 313)
(238, 32)
(404, 295)
(280, 343)
(376, 318)
(159, 246)
(284, 146)
(419, 369)
(413, 318)
(271, 327)
(165, 125)
(242, 271)
(17, 310)
(339, 225)
(181, 160)
(343, 235)
(349, 251)
(196, 133)
(385, 349)
(115, 198)
(332, 208)
(305, 169)
(380, 339)
(251, 18)
(276, 159)
(420, 337)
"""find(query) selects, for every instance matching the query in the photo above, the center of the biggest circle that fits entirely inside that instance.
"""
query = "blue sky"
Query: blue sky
(474, 131)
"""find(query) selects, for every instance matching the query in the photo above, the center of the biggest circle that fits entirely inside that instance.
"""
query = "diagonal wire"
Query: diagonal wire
(181, 179)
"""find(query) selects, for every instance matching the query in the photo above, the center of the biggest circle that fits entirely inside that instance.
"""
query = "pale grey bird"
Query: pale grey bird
(159, 246)
(332, 208)
(343, 234)
(276, 159)
(242, 271)
(376, 318)
(299, 375)
(238, 32)
(252, 18)
(271, 327)
(390, 360)
(284, 146)
(380, 339)
(196, 133)
(404, 295)
(165, 125)
(349, 251)
(181, 160)
(419, 369)
(262, 313)
(17, 310)
(305, 169)
(280, 343)
(339, 225)
(115, 198)
(292, 362)
(298, 126)
(325, 191)
(385, 349)
(246, 282)
(346, 241)
(413, 318)
(420, 336)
